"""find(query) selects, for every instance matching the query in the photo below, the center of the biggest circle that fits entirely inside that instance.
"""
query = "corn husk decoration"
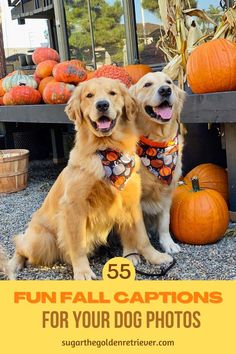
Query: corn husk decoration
(227, 27)
(182, 33)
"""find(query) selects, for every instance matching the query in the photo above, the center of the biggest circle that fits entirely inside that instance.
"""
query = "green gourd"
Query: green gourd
(18, 79)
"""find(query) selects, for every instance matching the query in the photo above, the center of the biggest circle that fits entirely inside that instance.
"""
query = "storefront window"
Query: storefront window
(149, 26)
(149, 29)
(107, 24)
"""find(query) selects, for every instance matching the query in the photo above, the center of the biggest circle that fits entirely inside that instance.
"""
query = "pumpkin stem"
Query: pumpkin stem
(195, 184)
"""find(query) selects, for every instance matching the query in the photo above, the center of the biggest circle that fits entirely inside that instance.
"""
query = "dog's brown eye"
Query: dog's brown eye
(89, 95)
(113, 93)
(168, 82)
(148, 84)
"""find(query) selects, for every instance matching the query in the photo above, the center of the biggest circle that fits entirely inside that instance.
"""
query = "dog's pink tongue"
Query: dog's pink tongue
(164, 112)
(104, 124)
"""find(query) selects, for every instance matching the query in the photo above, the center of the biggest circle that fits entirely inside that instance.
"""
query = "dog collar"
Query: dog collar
(159, 158)
(118, 167)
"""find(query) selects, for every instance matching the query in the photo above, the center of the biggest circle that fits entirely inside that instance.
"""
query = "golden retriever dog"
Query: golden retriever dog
(99, 189)
(160, 149)
(3, 262)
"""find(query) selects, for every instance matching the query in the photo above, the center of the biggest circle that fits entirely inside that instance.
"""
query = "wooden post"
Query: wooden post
(2, 51)
(230, 135)
(62, 35)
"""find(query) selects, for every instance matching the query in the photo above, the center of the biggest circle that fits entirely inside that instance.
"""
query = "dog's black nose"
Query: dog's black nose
(165, 91)
(102, 105)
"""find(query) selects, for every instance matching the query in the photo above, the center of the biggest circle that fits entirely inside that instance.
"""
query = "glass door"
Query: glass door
(96, 31)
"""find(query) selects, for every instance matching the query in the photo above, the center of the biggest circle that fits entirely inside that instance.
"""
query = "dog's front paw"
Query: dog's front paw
(160, 258)
(84, 274)
(155, 257)
(134, 258)
(169, 246)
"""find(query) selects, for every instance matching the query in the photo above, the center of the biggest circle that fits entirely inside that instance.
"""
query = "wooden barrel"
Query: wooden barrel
(13, 170)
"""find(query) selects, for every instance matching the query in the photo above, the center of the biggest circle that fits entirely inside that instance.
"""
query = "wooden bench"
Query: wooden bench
(206, 108)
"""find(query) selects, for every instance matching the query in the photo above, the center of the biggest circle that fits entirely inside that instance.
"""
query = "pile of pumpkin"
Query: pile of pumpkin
(53, 81)
(199, 211)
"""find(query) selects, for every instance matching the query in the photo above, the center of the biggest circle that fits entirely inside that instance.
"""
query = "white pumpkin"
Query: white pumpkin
(18, 79)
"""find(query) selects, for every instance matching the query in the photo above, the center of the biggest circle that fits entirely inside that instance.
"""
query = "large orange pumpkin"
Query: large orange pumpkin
(78, 63)
(23, 95)
(211, 67)
(198, 216)
(42, 54)
(114, 72)
(210, 176)
(136, 71)
(69, 73)
(44, 82)
(44, 69)
(57, 92)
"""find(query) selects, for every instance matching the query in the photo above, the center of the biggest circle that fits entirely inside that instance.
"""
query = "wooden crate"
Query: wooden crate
(13, 170)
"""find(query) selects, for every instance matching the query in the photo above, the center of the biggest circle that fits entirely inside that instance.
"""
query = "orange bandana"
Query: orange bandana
(118, 167)
(159, 158)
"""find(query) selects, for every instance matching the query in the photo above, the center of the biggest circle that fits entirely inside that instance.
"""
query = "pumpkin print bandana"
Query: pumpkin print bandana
(159, 158)
(118, 167)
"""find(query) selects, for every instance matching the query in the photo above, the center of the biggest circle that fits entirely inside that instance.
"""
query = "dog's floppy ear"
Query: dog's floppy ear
(73, 109)
(180, 95)
(132, 90)
(131, 109)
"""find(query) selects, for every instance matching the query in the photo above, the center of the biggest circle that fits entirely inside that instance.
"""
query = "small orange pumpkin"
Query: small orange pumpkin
(112, 156)
(151, 151)
(210, 176)
(44, 82)
(136, 71)
(165, 171)
(156, 163)
(1, 101)
(44, 69)
(211, 67)
(198, 216)
(23, 95)
(42, 54)
(69, 73)
(57, 92)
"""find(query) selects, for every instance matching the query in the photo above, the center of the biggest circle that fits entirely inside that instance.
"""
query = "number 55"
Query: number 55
(119, 271)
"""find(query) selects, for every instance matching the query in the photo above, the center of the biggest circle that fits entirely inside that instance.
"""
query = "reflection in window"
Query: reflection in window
(149, 26)
(108, 27)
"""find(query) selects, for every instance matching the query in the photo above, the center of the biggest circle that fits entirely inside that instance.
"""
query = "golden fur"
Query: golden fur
(3, 262)
(82, 206)
(157, 197)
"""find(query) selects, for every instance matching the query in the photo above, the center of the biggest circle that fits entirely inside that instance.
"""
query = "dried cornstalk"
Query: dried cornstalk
(227, 27)
(182, 34)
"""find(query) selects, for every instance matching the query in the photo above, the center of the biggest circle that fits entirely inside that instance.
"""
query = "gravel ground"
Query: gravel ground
(217, 261)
